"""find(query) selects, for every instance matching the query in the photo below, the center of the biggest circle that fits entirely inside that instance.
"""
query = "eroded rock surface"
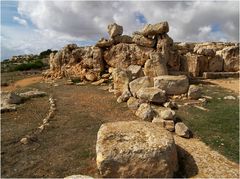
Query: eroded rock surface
(173, 85)
(135, 149)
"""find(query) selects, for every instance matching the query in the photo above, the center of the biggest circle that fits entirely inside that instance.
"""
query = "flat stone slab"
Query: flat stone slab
(135, 149)
(216, 75)
(33, 94)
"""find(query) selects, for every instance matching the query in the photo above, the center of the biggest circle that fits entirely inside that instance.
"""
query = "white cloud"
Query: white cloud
(61, 22)
(20, 20)
(89, 20)
(21, 40)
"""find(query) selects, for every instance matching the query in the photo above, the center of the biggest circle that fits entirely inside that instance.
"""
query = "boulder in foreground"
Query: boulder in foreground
(135, 149)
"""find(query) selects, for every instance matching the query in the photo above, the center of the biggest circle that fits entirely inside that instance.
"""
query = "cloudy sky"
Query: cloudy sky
(34, 26)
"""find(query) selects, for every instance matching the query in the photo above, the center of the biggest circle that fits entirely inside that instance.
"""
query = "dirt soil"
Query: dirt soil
(67, 146)
(22, 83)
(230, 83)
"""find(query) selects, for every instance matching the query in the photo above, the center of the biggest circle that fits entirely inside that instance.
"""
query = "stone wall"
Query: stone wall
(151, 48)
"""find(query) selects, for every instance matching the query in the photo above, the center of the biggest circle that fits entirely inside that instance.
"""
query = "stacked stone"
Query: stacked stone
(115, 32)
(85, 63)
(150, 48)
(208, 57)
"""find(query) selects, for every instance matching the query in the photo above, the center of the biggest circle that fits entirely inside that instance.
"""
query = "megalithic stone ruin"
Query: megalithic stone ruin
(151, 48)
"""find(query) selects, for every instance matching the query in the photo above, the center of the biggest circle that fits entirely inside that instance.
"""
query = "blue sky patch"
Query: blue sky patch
(216, 27)
(140, 17)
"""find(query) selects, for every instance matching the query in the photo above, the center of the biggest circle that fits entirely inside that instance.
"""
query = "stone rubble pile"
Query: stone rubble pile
(147, 71)
(151, 48)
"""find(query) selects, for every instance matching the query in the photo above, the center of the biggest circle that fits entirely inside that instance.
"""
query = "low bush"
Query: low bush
(37, 64)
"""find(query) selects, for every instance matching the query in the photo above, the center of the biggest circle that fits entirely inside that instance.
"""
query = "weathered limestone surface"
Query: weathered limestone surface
(114, 30)
(135, 149)
(122, 39)
(139, 83)
(230, 56)
(145, 112)
(152, 94)
(121, 51)
(215, 75)
(194, 92)
(121, 79)
(173, 85)
(155, 29)
(133, 103)
(143, 41)
(123, 55)
(155, 66)
(182, 130)
(136, 71)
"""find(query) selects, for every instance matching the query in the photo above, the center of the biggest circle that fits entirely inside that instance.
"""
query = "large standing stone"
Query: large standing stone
(139, 83)
(145, 112)
(195, 64)
(143, 41)
(164, 41)
(230, 56)
(121, 79)
(155, 29)
(173, 85)
(215, 64)
(152, 94)
(155, 66)
(115, 30)
(135, 150)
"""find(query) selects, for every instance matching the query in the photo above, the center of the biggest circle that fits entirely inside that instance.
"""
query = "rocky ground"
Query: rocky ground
(67, 145)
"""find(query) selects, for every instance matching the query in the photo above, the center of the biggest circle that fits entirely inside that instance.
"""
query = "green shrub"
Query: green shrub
(37, 64)
(46, 53)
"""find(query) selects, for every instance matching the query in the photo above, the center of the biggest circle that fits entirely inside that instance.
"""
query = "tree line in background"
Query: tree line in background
(27, 62)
